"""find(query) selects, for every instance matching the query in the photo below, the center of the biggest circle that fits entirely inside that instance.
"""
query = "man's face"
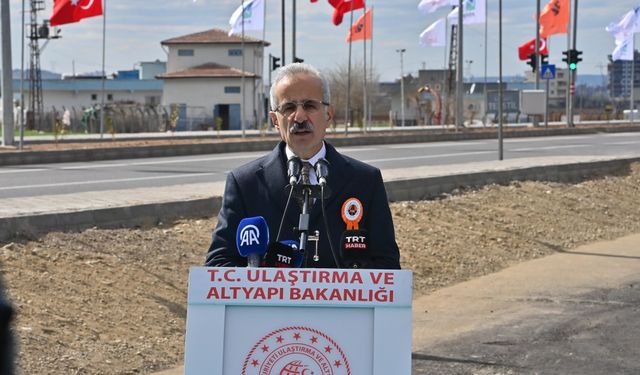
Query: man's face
(304, 128)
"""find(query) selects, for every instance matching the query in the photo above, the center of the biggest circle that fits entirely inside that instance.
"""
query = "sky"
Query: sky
(135, 29)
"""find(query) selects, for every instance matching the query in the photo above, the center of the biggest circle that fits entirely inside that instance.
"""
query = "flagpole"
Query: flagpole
(568, 96)
(500, 98)
(265, 119)
(370, 67)
(486, 28)
(633, 68)
(242, 83)
(364, 75)
(444, 109)
(104, 38)
(460, 83)
(346, 115)
(21, 115)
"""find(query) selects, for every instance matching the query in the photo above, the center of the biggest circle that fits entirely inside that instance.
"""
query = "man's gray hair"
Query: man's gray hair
(293, 69)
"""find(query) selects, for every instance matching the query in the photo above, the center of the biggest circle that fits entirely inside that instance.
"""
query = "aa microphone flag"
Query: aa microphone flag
(70, 11)
(554, 18)
(251, 13)
(361, 29)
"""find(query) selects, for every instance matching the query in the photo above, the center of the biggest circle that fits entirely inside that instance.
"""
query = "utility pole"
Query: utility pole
(7, 72)
(573, 72)
(401, 52)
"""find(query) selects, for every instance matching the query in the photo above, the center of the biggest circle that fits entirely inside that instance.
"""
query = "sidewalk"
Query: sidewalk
(534, 291)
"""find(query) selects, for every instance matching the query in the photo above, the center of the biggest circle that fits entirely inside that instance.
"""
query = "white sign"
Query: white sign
(273, 321)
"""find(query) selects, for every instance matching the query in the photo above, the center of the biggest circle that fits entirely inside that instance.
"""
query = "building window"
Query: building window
(94, 96)
(235, 52)
(185, 52)
(232, 89)
(109, 96)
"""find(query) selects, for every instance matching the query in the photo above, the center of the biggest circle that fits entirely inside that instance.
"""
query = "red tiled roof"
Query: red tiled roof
(213, 36)
(209, 70)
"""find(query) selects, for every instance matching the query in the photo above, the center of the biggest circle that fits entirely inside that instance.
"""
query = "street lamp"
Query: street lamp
(401, 52)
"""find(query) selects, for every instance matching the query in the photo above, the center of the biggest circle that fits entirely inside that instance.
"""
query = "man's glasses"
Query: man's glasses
(310, 106)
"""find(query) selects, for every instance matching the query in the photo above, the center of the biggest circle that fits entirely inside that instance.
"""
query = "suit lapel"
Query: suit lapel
(339, 171)
(273, 176)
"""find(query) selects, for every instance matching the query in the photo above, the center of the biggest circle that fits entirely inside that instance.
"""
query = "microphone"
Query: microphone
(252, 239)
(283, 254)
(322, 171)
(294, 165)
(354, 249)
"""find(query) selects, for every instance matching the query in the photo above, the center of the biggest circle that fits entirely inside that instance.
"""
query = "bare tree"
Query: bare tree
(338, 77)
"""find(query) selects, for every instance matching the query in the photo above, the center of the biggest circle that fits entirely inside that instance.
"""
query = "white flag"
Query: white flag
(623, 31)
(253, 17)
(430, 6)
(623, 50)
(434, 35)
(629, 22)
(474, 11)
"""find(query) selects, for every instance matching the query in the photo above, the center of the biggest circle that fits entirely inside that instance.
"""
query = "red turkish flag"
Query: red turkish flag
(69, 11)
(344, 6)
(529, 48)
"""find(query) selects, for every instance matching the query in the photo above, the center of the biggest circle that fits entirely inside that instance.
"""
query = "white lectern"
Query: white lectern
(285, 321)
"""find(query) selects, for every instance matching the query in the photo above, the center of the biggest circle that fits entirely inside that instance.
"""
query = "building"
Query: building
(557, 86)
(204, 80)
(620, 77)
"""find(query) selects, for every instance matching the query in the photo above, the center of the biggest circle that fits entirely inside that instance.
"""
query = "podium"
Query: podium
(286, 321)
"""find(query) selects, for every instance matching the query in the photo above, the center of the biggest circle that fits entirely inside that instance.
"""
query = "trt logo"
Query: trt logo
(355, 239)
(284, 259)
(249, 235)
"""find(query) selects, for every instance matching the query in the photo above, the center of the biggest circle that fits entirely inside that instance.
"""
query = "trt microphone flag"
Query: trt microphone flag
(554, 18)
(70, 11)
(361, 29)
(253, 17)
(529, 48)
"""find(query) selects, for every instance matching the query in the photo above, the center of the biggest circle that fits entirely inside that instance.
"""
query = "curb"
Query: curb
(266, 144)
(404, 189)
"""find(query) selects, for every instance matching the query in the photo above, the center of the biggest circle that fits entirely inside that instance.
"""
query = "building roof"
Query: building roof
(208, 70)
(213, 36)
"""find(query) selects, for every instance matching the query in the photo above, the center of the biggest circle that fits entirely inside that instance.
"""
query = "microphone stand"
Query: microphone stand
(303, 222)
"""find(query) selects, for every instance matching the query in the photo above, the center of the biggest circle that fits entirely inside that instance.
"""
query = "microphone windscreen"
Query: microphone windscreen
(252, 236)
(297, 253)
(283, 255)
(354, 249)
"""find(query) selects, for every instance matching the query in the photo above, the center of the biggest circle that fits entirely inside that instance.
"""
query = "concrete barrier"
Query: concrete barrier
(411, 188)
(267, 143)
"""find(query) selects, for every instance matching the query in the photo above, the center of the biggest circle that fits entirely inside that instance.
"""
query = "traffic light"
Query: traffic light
(275, 62)
(532, 62)
(544, 60)
(566, 56)
(572, 58)
(297, 60)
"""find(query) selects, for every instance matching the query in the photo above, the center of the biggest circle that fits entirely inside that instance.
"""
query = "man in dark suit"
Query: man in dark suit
(301, 113)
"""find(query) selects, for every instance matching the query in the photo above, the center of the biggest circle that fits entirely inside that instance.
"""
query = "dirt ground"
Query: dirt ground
(113, 301)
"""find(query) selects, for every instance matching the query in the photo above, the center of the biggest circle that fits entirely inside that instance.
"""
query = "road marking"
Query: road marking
(436, 144)
(429, 156)
(622, 143)
(22, 170)
(107, 181)
(548, 148)
(547, 139)
(356, 148)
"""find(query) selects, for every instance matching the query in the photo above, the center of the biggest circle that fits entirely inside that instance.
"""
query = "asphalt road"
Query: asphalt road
(66, 178)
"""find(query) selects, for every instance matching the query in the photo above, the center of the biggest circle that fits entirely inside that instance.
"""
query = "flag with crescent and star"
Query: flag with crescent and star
(70, 11)
(361, 29)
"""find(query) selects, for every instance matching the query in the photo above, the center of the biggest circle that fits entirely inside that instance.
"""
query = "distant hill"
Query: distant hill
(583, 79)
(45, 74)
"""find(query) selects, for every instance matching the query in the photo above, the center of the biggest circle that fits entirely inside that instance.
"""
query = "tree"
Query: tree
(338, 78)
